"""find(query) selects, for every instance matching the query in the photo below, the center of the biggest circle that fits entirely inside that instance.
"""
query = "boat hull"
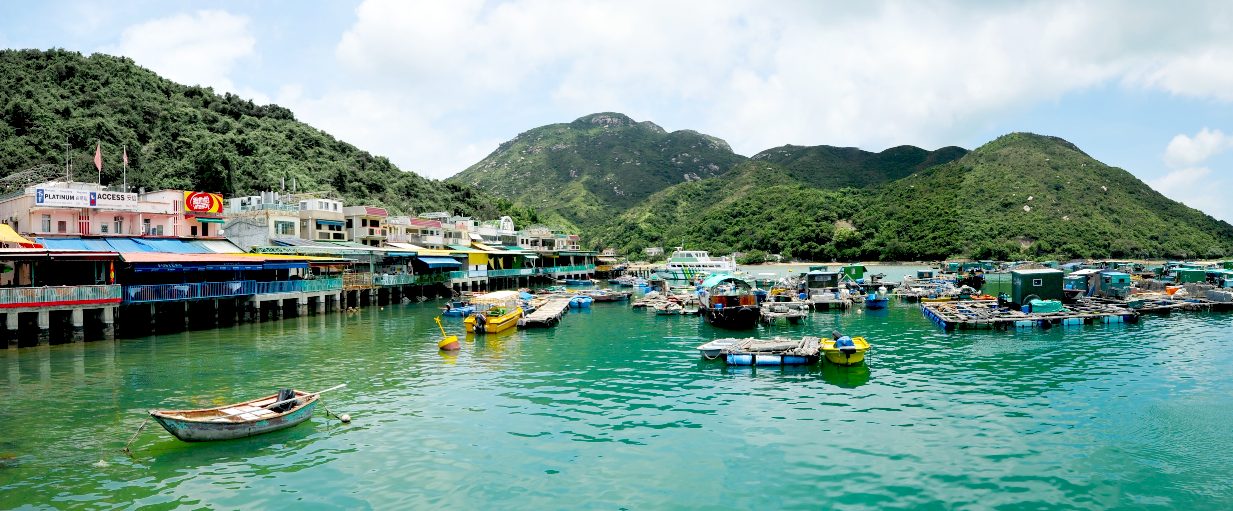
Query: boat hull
(494, 324)
(879, 303)
(205, 431)
(850, 357)
(745, 317)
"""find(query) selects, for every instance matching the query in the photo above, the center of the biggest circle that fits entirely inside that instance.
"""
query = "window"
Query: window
(119, 223)
(193, 230)
(205, 229)
(62, 226)
(363, 222)
(102, 228)
(1038, 282)
(284, 228)
(348, 223)
(46, 224)
(145, 227)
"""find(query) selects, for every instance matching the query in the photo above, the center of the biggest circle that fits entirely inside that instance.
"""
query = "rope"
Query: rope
(134, 437)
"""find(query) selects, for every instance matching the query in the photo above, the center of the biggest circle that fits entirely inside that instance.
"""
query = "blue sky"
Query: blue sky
(435, 86)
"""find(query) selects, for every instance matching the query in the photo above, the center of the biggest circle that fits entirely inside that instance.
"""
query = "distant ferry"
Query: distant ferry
(690, 264)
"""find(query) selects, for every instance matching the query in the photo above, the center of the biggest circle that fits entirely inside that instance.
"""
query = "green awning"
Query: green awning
(205, 220)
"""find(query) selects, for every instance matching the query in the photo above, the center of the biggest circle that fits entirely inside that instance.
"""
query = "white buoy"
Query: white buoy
(102, 464)
(346, 418)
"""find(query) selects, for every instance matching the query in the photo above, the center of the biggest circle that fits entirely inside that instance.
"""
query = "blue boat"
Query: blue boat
(457, 309)
(579, 282)
(876, 300)
(581, 301)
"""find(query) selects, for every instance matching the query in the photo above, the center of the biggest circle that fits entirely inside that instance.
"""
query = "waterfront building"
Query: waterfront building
(366, 224)
(255, 220)
(322, 220)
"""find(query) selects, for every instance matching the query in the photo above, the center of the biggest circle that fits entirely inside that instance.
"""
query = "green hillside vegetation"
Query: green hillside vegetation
(1031, 196)
(584, 171)
(970, 207)
(839, 167)
(191, 138)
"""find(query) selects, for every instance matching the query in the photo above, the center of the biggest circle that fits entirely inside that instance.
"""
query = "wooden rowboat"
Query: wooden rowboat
(236, 420)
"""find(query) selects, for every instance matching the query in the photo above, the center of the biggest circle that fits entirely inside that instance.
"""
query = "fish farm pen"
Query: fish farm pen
(976, 314)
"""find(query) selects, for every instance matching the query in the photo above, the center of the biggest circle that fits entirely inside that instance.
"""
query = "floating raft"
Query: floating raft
(1158, 304)
(975, 314)
(548, 314)
(777, 351)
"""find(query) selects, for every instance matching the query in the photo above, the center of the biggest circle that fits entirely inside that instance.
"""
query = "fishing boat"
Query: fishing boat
(843, 350)
(691, 264)
(728, 302)
(262, 415)
(579, 282)
(581, 301)
(604, 295)
(876, 300)
(494, 312)
(777, 351)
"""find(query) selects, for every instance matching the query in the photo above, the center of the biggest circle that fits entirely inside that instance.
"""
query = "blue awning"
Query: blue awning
(439, 262)
(63, 243)
(174, 267)
(339, 223)
(171, 246)
(285, 265)
(126, 245)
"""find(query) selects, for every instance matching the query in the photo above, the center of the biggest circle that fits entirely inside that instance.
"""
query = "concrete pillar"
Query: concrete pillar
(215, 312)
(109, 323)
(79, 325)
(11, 324)
(153, 318)
(321, 304)
(276, 311)
(44, 328)
(301, 306)
(188, 318)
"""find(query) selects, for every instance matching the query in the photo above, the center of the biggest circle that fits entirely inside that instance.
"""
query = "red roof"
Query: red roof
(424, 222)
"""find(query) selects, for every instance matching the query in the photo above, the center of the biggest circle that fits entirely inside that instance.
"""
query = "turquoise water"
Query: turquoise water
(614, 409)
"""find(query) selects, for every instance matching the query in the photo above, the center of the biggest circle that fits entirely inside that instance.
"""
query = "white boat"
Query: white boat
(691, 264)
(713, 349)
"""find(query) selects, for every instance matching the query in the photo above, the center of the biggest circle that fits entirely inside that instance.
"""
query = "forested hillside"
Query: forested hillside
(838, 167)
(189, 137)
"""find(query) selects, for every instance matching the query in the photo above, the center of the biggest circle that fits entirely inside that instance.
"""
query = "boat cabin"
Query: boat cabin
(821, 279)
(854, 271)
(924, 274)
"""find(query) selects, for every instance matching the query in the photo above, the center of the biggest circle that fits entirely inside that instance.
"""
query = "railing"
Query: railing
(299, 286)
(194, 291)
(477, 274)
(580, 268)
(509, 273)
(58, 295)
(268, 207)
(458, 275)
(357, 280)
(394, 280)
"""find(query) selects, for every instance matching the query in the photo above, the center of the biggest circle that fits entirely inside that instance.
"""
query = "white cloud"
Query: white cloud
(1184, 150)
(871, 75)
(197, 49)
(1191, 182)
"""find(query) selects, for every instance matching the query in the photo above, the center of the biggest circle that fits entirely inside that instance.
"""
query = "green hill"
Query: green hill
(973, 207)
(1025, 195)
(838, 167)
(596, 166)
(189, 137)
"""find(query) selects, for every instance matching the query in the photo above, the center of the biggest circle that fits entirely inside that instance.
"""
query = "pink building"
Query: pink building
(61, 208)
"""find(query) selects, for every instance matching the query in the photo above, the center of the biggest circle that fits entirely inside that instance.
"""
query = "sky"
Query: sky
(435, 86)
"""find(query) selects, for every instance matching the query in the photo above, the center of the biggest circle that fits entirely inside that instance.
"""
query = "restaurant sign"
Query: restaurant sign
(69, 198)
(202, 202)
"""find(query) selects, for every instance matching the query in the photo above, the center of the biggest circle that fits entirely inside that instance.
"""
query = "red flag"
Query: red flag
(98, 156)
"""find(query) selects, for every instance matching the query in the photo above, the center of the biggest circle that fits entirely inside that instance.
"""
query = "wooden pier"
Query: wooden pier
(547, 315)
(975, 314)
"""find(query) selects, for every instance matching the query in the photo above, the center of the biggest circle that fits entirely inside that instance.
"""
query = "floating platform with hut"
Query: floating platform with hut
(977, 314)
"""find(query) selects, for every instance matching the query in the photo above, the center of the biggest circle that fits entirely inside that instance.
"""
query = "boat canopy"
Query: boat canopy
(496, 297)
(440, 262)
(722, 278)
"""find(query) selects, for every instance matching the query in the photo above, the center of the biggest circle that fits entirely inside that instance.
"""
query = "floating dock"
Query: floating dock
(975, 314)
(547, 315)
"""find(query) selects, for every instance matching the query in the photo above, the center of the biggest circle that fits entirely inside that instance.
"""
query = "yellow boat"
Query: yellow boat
(494, 312)
(848, 355)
